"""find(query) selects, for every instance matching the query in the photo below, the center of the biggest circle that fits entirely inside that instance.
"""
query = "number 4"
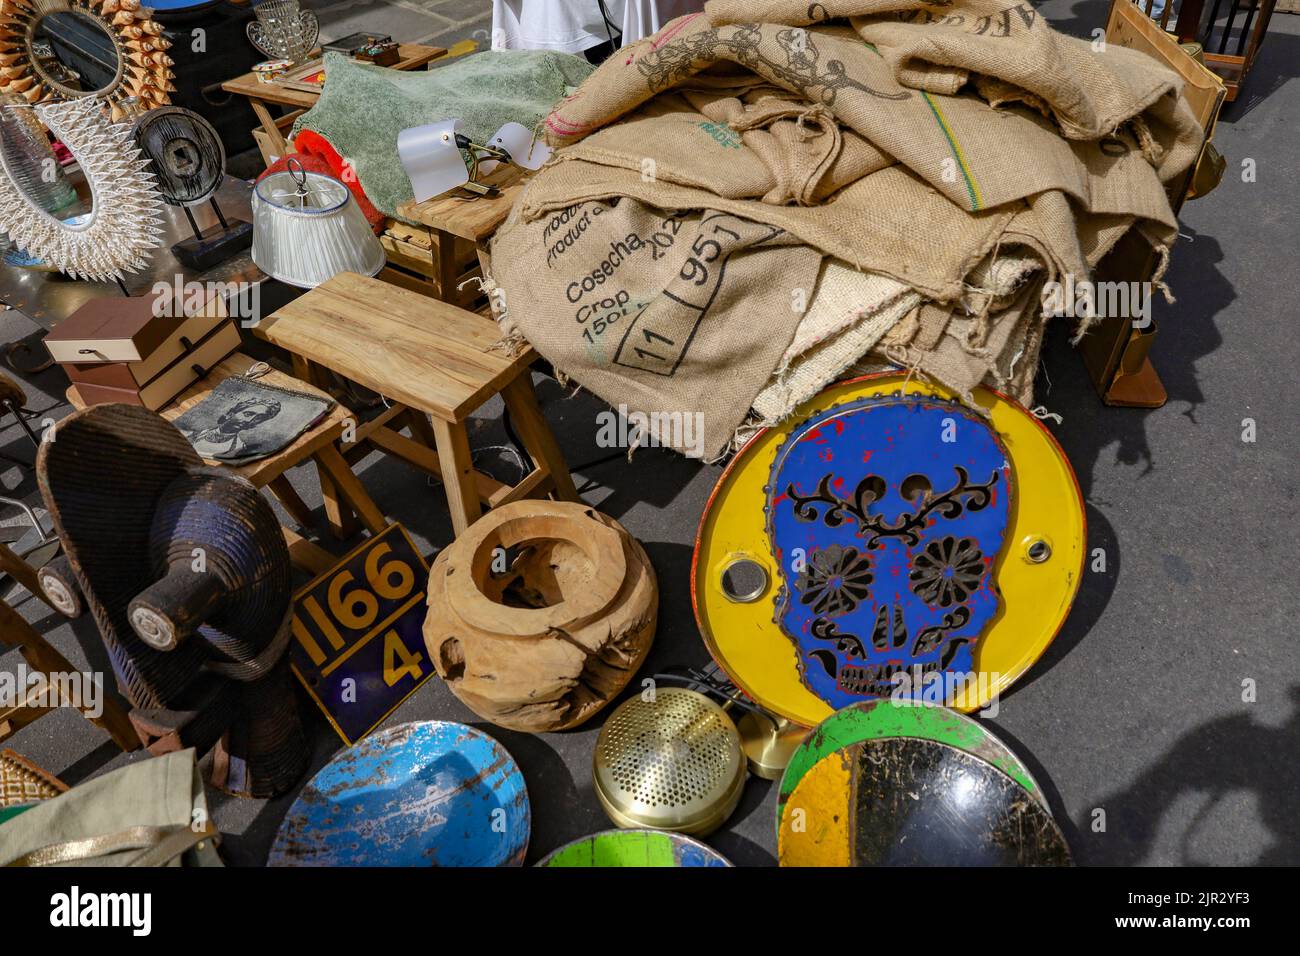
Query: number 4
(395, 651)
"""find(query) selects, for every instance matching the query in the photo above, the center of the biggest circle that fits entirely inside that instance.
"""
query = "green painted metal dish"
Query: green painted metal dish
(876, 719)
(636, 848)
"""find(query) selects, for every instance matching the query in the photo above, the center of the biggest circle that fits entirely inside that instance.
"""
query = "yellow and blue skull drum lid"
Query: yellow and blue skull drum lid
(888, 542)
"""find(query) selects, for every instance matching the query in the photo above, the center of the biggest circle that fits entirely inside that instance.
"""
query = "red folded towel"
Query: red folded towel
(318, 156)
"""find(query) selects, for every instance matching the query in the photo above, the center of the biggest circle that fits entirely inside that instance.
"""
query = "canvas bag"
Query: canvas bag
(152, 812)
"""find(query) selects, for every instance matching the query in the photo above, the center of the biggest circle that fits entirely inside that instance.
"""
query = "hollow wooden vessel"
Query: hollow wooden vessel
(540, 613)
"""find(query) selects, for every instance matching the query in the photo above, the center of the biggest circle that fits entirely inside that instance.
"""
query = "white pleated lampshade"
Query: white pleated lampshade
(307, 228)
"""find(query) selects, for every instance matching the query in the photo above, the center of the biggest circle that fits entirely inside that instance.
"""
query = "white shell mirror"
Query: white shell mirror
(124, 222)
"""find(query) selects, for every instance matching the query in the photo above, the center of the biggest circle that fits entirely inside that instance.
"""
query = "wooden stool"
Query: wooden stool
(41, 656)
(434, 360)
(343, 494)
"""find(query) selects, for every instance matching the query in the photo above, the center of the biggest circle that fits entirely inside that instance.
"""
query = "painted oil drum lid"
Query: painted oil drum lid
(875, 719)
(635, 848)
(903, 801)
(736, 578)
(429, 793)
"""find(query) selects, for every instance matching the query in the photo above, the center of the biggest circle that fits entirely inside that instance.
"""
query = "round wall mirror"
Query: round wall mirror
(72, 49)
(75, 54)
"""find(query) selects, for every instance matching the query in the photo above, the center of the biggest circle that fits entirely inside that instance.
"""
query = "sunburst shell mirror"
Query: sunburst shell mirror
(38, 62)
(125, 221)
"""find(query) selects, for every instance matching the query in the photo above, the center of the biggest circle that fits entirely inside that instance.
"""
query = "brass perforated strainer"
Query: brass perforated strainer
(673, 763)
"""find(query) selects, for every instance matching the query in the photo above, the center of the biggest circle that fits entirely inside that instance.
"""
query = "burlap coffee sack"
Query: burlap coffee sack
(936, 46)
(808, 154)
(854, 312)
(888, 222)
(792, 12)
(932, 321)
(756, 146)
(821, 365)
(959, 366)
(974, 154)
(845, 297)
(681, 316)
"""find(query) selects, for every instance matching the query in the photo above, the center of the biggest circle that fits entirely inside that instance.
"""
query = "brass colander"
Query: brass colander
(671, 763)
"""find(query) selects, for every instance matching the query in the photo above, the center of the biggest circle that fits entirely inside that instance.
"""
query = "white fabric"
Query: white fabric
(569, 26)
(572, 26)
(641, 18)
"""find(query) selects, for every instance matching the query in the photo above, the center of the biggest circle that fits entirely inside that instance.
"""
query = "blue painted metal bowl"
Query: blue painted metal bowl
(429, 793)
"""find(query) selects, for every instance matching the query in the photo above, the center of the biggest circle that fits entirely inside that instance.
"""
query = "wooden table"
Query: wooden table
(412, 56)
(432, 359)
(341, 490)
(458, 219)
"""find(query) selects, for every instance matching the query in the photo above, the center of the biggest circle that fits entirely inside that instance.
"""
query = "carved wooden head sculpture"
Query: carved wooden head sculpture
(540, 614)
(188, 577)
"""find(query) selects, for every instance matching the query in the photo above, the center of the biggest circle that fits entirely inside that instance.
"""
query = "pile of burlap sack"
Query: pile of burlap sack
(770, 194)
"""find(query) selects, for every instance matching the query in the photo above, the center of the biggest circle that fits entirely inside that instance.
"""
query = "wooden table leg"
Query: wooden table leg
(349, 488)
(536, 434)
(342, 520)
(42, 656)
(268, 123)
(421, 430)
(292, 502)
(457, 473)
(448, 271)
(308, 555)
(22, 572)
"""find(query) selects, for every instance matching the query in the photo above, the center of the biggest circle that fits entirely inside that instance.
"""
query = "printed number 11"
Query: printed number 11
(649, 338)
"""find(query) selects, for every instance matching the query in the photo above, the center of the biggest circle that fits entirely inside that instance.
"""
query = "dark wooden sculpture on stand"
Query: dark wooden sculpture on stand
(189, 161)
(188, 577)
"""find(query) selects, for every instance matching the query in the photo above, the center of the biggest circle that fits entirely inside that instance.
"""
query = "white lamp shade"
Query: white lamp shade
(525, 149)
(307, 228)
(431, 159)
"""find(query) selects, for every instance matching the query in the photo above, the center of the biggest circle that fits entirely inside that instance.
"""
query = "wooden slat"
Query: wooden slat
(350, 488)
(473, 219)
(535, 484)
(20, 571)
(429, 355)
(42, 656)
(308, 555)
(411, 283)
(490, 490)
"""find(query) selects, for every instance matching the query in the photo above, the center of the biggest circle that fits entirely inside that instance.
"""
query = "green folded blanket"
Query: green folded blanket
(364, 107)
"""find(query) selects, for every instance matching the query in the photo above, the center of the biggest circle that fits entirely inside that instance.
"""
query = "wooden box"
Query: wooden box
(137, 357)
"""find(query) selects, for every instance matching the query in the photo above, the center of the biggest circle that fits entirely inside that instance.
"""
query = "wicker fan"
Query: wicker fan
(144, 68)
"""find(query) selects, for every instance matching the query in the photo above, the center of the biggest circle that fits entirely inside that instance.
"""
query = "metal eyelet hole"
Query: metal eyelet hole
(744, 580)
(1038, 551)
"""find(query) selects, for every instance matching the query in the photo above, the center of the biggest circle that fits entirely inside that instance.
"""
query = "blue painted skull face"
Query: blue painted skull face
(886, 516)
